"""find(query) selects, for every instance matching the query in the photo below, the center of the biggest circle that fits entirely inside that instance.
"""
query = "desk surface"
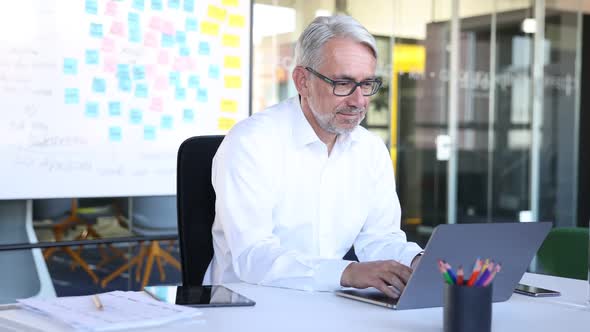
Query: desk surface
(290, 310)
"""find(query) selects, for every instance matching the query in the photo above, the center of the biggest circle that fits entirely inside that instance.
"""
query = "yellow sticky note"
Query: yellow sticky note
(225, 123)
(228, 105)
(233, 82)
(231, 62)
(216, 13)
(230, 40)
(237, 21)
(209, 28)
(230, 3)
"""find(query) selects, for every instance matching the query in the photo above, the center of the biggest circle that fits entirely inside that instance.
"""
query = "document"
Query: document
(120, 310)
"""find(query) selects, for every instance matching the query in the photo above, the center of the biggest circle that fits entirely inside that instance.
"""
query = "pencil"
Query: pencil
(492, 275)
(444, 272)
(450, 272)
(475, 272)
(97, 302)
(460, 275)
(484, 274)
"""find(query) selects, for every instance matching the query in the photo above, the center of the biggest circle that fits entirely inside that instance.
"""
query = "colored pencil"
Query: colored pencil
(484, 274)
(474, 273)
(492, 275)
(444, 272)
(450, 272)
(460, 275)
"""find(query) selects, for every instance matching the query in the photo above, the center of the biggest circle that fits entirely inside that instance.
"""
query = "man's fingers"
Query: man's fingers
(402, 271)
(382, 286)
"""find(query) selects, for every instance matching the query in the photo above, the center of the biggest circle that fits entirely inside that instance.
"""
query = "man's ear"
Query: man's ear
(300, 80)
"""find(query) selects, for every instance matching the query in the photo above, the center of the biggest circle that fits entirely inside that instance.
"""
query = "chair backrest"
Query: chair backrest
(196, 205)
(564, 252)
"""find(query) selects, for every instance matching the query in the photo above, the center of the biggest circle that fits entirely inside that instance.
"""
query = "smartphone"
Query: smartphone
(198, 296)
(535, 291)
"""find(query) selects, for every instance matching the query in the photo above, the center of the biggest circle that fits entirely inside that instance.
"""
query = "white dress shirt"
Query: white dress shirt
(286, 212)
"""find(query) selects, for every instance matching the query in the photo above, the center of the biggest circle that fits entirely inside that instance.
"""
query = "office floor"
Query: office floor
(73, 282)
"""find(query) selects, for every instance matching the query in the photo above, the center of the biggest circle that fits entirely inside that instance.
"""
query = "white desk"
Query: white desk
(289, 310)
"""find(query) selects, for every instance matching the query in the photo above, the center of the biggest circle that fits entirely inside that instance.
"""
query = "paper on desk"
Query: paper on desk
(121, 310)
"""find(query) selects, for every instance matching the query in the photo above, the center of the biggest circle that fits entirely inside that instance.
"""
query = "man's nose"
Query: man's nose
(357, 99)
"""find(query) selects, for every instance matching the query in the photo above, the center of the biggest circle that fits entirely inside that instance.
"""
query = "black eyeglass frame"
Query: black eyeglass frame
(356, 84)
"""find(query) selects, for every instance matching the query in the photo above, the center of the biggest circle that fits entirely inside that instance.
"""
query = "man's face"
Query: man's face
(342, 59)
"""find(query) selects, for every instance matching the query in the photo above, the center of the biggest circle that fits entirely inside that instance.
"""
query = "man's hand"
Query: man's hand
(378, 274)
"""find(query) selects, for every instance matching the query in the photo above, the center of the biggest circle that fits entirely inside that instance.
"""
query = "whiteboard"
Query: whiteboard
(96, 96)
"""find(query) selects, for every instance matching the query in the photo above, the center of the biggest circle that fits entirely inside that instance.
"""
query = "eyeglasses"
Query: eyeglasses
(343, 88)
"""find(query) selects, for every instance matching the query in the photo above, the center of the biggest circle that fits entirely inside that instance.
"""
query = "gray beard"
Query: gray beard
(326, 121)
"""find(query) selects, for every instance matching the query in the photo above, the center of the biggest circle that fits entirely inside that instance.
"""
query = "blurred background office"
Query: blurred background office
(483, 110)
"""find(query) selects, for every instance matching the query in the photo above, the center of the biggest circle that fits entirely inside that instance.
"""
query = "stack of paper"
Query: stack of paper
(120, 310)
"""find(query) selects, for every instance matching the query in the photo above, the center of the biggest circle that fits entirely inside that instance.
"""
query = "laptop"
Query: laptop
(511, 244)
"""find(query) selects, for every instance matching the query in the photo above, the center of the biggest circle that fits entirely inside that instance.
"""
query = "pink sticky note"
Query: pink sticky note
(161, 83)
(110, 64)
(118, 28)
(167, 27)
(179, 64)
(150, 40)
(163, 58)
(149, 71)
(108, 45)
(111, 8)
(157, 104)
(155, 23)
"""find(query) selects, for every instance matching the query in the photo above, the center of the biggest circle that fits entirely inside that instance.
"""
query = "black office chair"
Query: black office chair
(195, 199)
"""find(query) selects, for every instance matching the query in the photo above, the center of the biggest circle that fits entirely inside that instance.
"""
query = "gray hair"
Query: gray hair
(308, 51)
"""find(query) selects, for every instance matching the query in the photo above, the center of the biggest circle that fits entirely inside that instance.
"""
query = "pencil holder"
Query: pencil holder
(467, 309)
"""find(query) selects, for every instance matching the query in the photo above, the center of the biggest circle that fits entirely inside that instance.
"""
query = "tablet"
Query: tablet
(198, 296)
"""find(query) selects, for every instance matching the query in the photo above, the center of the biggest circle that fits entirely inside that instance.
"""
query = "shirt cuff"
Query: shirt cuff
(409, 253)
(328, 274)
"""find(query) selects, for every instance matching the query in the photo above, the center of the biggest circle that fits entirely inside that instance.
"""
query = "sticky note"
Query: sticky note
(184, 51)
(72, 96)
(180, 93)
(216, 13)
(91, 7)
(225, 123)
(188, 115)
(191, 24)
(189, 6)
(133, 19)
(115, 134)
(108, 45)
(214, 71)
(92, 57)
(163, 57)
(161, 83)
(139, 72)
(232, 82)
(96, 30)
(229, 3)
(193, 81)
(157, 5)
(204, 48)
(167, 27)
(70, 66)
(141, 90)
(123, 71)
(166, 121)
(180, 37)
(174, 4)
(209, 28)
(91, 109)
(114, 108)
(174, 78)
(135, 116)
(237, 21)
(125, 84)
(111, 9)
(230, 40)
(155, 23)
(138, 5)
(149, 133)
(167, 40)
(157, 104)
(150, 40)
(118, 28)
(110, 64)
(135, 34)
(229, 105)
(231, 62)
(202, 95)
(99, 85)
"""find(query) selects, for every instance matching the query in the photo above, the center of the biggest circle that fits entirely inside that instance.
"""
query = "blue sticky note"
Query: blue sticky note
(99, 85)
(125, 84)
(92, 57)
(181, 37)
(166, 122)
(141, 90)
(135, 116)
(123, 71)
(72, 96)
(188, 115)
(149, 133)
(91, 7)
(134, 34)
(115, 134)
(157, 5)
(180, 94)
(96, 30)
(191, 24)
(139, 5)
(139, 72)
(167, 40)
(133, 19)
(174, 4)
(184, 51)
(91, 109)
(204, 48)
(214, 71)
(193, 81)
(189, 5)
(202, 95)
(174, 78)
(70, 66)
(114, 108)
